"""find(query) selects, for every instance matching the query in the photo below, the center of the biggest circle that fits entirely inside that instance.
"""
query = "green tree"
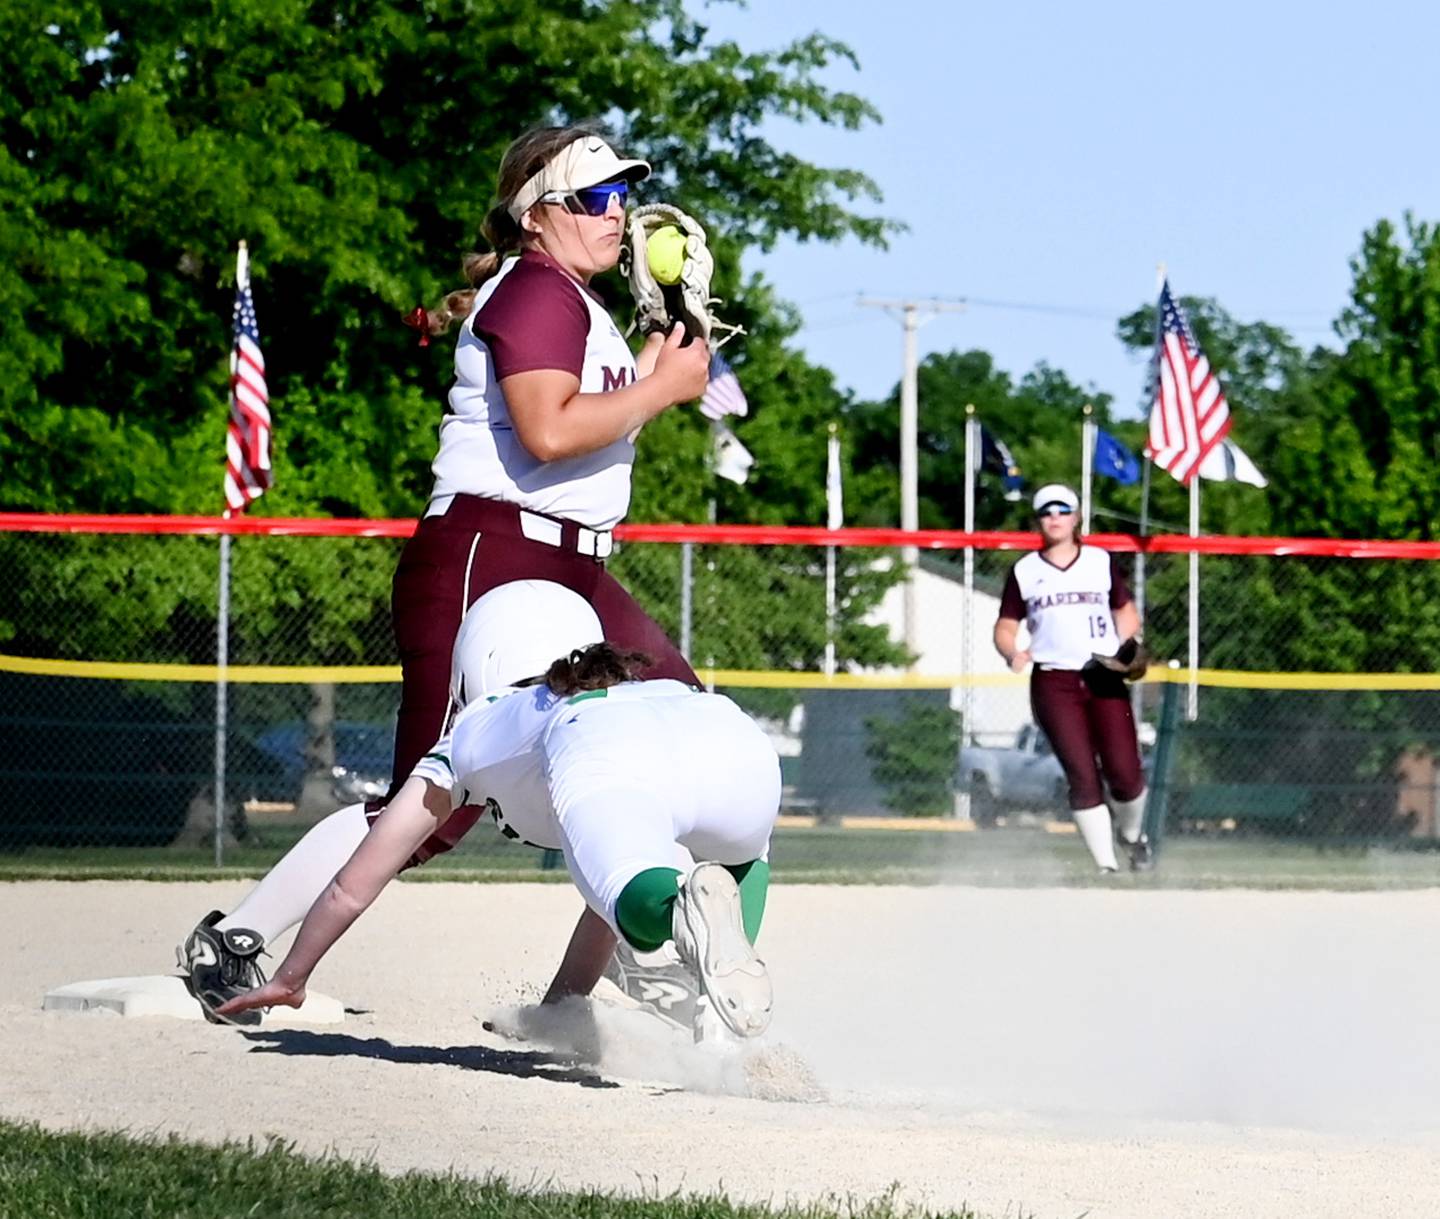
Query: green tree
(345, 142)
(914, 756)
(354, 146)
(1361, 463)
(1348, 442)
(1267, 380)
(1039, 418)
(1269, 384)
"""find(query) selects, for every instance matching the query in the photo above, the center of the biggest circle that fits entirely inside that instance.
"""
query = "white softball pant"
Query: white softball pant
(639, 784)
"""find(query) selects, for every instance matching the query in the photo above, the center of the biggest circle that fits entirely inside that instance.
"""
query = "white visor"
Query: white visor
(1055, 493)
(587, 161)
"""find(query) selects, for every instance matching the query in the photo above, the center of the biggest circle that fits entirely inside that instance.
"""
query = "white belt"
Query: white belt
(596, 543)
(593, 543)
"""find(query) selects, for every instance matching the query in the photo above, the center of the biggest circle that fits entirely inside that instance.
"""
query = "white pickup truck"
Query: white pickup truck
(1024, 776)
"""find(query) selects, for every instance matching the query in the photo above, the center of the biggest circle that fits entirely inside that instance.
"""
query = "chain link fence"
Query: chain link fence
(107, 740)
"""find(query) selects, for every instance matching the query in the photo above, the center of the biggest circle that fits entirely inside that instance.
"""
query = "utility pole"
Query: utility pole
(909, 312)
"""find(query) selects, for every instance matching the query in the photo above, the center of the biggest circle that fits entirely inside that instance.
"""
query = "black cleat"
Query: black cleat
(219, 965)
(1142, 855)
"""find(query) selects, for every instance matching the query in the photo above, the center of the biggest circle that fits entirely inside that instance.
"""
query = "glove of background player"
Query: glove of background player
(659, 306)
(1130, 660)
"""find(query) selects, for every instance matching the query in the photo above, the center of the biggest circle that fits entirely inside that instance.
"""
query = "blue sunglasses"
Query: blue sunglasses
(591, 200)
(1055, 510)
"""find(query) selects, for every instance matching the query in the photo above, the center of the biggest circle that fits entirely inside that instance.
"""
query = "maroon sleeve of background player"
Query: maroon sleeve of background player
(1119, 590)
(534, 320)
(1012, 605)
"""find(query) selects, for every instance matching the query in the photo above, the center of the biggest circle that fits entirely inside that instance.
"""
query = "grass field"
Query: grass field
(823, 854)
(101, 1176)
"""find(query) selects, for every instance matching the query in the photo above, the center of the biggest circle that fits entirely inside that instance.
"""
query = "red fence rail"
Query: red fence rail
(753, 535)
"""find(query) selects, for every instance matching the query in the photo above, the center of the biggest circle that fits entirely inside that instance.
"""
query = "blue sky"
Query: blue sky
(1051, 154)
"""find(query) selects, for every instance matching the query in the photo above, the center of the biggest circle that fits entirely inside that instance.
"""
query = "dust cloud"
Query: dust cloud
(1294, 1009)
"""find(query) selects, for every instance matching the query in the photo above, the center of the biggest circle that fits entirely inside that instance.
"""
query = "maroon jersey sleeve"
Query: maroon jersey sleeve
(1012, 605)
(533, 320)
(1119, 589)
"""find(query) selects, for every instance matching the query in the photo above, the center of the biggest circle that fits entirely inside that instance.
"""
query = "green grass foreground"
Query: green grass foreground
(1024, 858)
(101, 1176)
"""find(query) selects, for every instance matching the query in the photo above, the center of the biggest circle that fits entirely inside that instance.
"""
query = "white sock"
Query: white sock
(1130, 818)
(1094, 827)
(290, 888)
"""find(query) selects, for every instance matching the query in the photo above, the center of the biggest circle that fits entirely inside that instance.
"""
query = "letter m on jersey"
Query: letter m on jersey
(615, 378)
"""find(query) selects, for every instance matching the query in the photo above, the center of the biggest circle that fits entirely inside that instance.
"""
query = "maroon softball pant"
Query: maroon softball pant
(452, 559)
(1087, 717)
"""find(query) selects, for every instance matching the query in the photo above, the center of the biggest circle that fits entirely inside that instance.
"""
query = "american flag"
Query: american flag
(1190, 415)
(723, 396)
(247, 445)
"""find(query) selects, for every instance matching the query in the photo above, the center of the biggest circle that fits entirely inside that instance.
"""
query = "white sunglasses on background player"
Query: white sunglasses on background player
(1055, 510)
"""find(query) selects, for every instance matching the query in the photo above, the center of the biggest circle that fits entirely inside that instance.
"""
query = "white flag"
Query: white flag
(1228, 462)
(732, 459)
(834, 493)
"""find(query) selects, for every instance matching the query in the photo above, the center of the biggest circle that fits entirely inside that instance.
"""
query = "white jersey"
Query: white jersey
(1069, 611)
(494, 753)
(480, 453)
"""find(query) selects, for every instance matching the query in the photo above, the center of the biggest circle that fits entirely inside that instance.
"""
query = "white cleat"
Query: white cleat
(709, 935)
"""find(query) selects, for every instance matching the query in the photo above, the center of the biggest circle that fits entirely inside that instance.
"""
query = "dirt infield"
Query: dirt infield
(1055, 1052)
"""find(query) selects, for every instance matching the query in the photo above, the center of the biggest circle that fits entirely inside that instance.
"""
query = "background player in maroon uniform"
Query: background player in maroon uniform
(1076, 605)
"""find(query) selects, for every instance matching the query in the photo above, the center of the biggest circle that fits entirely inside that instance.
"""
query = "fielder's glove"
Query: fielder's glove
(659, 306)
(1130, 661)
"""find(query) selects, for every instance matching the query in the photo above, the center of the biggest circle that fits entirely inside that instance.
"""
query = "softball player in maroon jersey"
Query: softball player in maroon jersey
(532, 473)
(1075, 603)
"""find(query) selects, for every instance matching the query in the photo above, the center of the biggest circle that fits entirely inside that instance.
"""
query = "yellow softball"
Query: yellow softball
(665, 252)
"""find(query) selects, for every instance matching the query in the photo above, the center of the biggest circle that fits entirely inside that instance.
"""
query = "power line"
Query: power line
(1081, 312)
(1058, 310)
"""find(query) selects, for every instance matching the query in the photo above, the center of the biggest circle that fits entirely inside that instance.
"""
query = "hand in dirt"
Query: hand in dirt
(274, 993)
(567, 1026)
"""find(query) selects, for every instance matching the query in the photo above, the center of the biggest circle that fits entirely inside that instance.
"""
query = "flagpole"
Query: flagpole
(1087, 464)
(687, 595)
(222, 617)
(834, 519)
(1145, 479)
(967, 615)
(712, 514)
(1144, 532)
(967, 621)
(1192, 701)
(222, 659)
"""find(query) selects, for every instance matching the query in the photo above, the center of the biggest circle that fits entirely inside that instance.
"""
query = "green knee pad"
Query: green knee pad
(645, 908)
(754, 881)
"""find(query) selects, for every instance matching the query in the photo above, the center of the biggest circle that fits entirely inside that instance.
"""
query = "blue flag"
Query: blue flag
(1113, 459)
